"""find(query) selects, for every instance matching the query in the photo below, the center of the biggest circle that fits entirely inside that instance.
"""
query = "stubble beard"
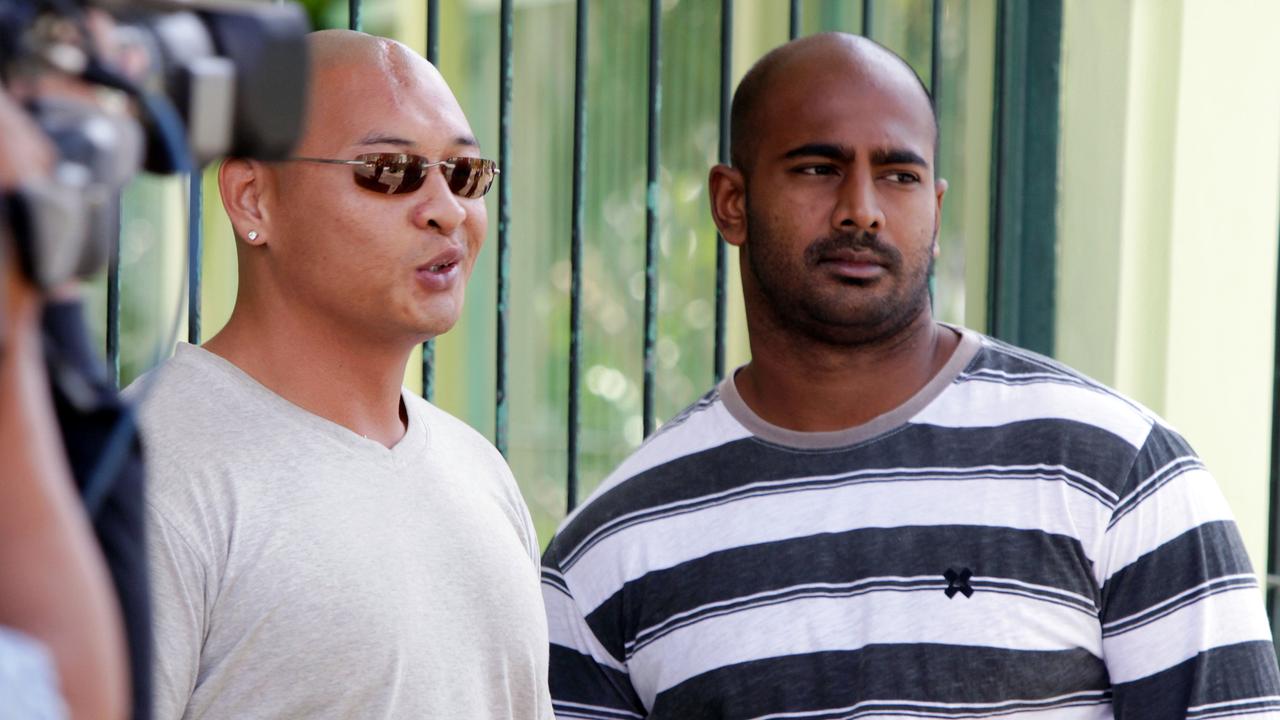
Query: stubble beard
(857, 313)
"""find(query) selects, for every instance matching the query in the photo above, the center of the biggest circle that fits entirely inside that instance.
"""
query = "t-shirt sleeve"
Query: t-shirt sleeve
(178, 582)
(530, 534)
(586, 680)
(1183, 628)
(517, 508)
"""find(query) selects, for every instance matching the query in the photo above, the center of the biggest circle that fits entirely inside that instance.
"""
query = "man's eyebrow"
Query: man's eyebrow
(897, 156)
(831, 151)
(841, 153)
(377, 138)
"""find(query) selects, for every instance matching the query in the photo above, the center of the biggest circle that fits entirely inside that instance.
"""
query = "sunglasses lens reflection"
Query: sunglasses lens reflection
(389, 173)
(471, 177)
(397, 174)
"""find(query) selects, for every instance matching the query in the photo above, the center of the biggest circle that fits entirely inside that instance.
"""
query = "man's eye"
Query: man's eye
(903, 178)
(816, 170)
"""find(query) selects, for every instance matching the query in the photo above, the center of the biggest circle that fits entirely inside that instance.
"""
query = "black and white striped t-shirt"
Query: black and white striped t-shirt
(1014, 541)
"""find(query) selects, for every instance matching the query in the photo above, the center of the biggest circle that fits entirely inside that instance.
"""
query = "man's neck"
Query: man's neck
(810, 386)
(341, 377)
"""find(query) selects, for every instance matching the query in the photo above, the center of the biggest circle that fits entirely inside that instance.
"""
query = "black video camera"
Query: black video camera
(200, 80)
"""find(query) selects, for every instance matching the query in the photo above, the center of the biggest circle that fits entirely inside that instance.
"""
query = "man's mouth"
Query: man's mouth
(855, 265)
(858, 254)
(443, 270)
(857, 272)
(444, 261)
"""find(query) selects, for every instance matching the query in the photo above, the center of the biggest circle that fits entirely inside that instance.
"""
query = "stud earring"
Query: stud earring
(253, 235)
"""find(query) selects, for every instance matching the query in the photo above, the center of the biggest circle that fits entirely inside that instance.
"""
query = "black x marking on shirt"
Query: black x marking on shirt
(958, 582)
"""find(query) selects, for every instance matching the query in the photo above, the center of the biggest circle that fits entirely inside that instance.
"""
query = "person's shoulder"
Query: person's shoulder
(173, 400)
(194, 418)
(444, 429)
(190, 389)
(486, 468)
(1010, 383)
(467, 448)
(654, 474)
(703, 426)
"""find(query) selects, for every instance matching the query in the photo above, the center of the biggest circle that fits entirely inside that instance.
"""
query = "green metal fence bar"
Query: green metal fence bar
(504, 227)
(113, 310)
(935, 90)
(867, 18)
(726, 99)
(433, 57)
(935, 61)
(1021, 288)
(353, 14)
(433, 31)
(195, 245)
(794, 20)
(575, 245)
(651, 211)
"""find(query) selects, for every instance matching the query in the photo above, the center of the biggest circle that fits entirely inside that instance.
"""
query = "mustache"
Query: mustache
(854, 241)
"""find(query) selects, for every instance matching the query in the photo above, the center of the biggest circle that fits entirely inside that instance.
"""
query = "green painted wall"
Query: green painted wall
(1170, 184)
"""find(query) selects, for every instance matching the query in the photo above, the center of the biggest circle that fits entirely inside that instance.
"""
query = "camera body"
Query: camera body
(186, 82)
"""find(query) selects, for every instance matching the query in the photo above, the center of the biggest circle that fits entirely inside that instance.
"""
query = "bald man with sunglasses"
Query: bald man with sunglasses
(324, 543)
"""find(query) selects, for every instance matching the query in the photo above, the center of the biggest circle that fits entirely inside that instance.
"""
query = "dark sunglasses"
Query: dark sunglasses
(400, 173)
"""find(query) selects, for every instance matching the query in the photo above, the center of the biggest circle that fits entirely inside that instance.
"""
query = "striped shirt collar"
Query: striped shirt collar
(964, 353)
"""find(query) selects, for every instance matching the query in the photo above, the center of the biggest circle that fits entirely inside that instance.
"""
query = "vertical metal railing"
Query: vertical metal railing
(868, 17)
(935, 65)
(195, 252)
(651, 211)
(504, 226)
(575, 246)
(433, 32)
(722, 251)
(1021, 285)
(935, 89)
(353, 14)
(433, 57)
(793, 22)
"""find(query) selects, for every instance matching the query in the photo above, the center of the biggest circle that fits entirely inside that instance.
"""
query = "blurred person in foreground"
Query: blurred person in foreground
(62, 643)
(325, 543)
(880, 514)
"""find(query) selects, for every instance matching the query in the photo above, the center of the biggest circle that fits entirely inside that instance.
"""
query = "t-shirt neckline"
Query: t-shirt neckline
(410, 444)
(970, 343)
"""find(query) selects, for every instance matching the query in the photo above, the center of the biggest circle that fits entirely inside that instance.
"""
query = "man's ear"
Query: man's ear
(939, 187)
(728, 190)
(242, 184)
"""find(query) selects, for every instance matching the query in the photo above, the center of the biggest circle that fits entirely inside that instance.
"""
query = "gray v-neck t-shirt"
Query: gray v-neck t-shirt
(300, 570)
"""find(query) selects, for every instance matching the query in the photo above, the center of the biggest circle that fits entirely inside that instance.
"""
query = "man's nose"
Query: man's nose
(858, 206)
(437, 207)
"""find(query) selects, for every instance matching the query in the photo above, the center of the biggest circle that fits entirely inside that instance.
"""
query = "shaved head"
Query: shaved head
(788, 64)
(353, 67)
(339, 50)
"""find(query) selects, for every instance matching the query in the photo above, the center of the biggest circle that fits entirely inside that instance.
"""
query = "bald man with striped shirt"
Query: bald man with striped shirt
(882, 515)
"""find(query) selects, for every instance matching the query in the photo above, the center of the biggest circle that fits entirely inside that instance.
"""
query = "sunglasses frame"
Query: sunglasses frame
(424, 165)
